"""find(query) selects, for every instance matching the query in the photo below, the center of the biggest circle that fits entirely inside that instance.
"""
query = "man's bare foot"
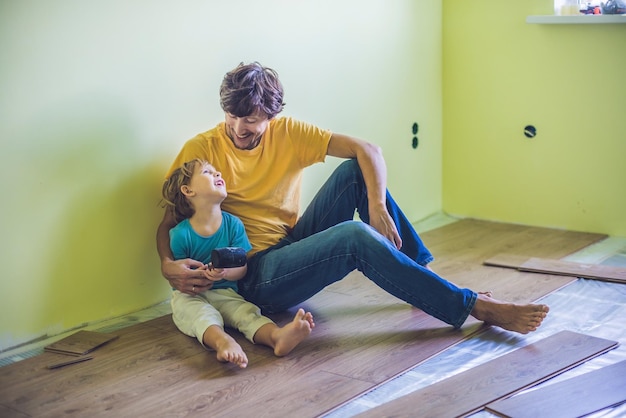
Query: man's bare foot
(229, 351)
(288, 337)
(510, 316)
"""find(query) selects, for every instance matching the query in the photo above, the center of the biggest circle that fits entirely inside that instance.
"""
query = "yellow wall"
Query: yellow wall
(501, 74)
(97, 98)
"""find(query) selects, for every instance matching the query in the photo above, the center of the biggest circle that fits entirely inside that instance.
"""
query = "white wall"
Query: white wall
(96, 98)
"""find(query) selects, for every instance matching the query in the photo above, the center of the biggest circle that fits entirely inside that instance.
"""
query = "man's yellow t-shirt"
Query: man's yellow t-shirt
(263, 184)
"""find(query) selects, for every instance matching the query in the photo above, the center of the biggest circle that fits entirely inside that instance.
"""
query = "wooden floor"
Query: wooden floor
(363, 338)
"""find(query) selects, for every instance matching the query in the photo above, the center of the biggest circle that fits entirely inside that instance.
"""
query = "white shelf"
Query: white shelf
(576, 20)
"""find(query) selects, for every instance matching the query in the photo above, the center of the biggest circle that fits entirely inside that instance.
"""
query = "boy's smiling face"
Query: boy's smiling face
(206, 181)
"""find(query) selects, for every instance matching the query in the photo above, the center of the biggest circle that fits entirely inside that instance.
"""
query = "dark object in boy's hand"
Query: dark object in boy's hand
(228, 257)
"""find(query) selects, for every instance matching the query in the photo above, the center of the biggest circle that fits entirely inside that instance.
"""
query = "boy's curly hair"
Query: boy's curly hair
(173, 197)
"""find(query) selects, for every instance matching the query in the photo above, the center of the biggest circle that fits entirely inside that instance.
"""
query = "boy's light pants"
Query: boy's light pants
(194, 314)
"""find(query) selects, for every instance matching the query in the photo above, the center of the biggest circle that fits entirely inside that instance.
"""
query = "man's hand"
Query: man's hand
(187, 275)
(381, 221)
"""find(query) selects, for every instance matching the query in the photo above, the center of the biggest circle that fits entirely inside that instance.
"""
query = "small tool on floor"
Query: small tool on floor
(68, 362)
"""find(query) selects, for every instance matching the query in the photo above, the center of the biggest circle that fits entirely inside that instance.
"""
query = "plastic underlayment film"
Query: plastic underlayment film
(586, 306)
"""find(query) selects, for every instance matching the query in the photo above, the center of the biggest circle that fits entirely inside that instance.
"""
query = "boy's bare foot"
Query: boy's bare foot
(288, 337)
(229, 351)
(510, 316)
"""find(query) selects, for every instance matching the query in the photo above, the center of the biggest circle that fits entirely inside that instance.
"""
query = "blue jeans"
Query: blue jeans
(326, 244)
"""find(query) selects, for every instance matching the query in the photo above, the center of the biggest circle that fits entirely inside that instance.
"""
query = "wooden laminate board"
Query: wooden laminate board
(80, 343)
(559, 267)
(469, 391)
(363, 338)
(575, 397)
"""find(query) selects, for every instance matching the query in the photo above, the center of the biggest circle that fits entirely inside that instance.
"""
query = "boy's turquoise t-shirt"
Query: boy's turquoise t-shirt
(186, 243)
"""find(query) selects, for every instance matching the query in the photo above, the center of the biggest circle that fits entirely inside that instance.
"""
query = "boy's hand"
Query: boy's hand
(214, 274)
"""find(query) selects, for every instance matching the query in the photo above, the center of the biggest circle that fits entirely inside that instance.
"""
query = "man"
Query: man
(261, 158)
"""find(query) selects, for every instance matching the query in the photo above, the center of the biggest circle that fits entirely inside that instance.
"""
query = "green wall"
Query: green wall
(98, 97)
(501, 74)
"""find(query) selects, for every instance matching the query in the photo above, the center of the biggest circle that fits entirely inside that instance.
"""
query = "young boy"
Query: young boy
(194, 194)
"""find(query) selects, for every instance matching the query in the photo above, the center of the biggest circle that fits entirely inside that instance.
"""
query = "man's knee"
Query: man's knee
(349, 168)
(355, 232)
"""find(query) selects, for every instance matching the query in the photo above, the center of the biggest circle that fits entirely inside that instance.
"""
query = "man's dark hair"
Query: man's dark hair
(251, 87)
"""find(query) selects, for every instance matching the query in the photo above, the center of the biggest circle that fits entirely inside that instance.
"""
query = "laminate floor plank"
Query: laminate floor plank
(470, 242)
(363, 337)
(559, 267)
(575, 397)
(470, 391)
(474, 240)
